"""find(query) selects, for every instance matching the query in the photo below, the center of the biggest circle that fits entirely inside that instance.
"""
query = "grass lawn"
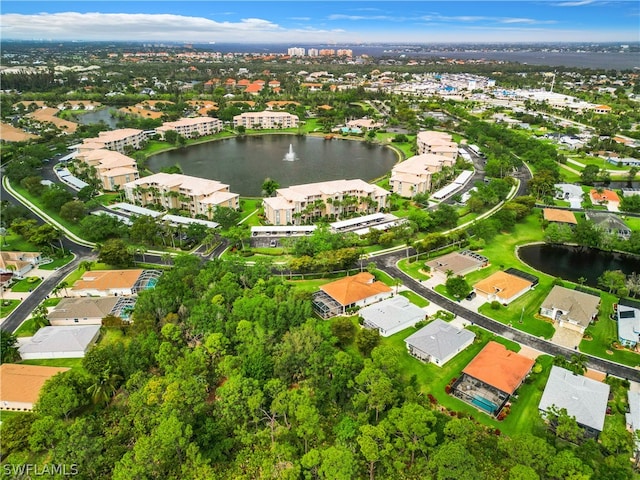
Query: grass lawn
(15, 243)
(385, 278)
(58, 262)
(524, 416)
(26, 284)
(414, 298)
(511, 314)
(442, 290)
(7, 306)
(78, 272)
(112, 335)
(75, 363)
(310, 285)
(26, 329)
(413, 269)
(108, 198)
(603, 333)
(51, 302)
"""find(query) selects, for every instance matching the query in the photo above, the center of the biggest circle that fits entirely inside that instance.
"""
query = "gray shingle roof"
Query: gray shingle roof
(393, 313)
(583, 398)
(581, 307)
(439, 339)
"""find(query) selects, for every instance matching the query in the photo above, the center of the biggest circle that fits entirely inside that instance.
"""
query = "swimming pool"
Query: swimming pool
(484, 404)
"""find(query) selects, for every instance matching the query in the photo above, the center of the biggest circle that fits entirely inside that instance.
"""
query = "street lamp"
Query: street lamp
(521, 314)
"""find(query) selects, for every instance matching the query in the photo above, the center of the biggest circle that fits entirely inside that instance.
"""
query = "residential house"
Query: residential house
(357, 290)
(361, 123)
(555, 215)
(570, 308)
(489, 380)
(391, 315)
(609, 223)
(191, 127)
(20, 385)
(628, 315)
(171, 190)
(608, 198)
(457, 263)
(438, 342)
(583, 398)
(299, 203)
(266, 119)
(109, 283)
(502, 287)
(415, 174)
(19, 263)
(633, 418)
(59, 342)
(86, 310)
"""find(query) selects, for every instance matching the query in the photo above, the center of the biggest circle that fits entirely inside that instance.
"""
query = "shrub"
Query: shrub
(495, 305)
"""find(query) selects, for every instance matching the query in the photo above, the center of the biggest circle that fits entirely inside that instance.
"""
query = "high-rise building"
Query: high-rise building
(295, 52)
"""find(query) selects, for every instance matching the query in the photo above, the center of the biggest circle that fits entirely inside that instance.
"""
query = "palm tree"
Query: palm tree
(104, 387)
(86, 265)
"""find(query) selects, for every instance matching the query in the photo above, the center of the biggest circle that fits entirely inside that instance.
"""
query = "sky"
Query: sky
(324, 22)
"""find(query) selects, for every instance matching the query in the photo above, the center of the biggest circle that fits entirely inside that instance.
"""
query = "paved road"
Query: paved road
(387, 263)
(33, 299)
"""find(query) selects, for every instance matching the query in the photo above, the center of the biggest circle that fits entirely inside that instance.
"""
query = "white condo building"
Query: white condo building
(191, 127)
(113, 169)
(265, 119)
(298, 203)
(192, 194)
(117, 140)
(414, 174)
(439, 143)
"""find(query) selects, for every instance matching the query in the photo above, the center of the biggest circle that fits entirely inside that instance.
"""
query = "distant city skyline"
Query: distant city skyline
(323, 22)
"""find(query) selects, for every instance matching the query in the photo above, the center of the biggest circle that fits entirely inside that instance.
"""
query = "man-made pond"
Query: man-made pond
(571, 263)
(96, 116)
(244, 162)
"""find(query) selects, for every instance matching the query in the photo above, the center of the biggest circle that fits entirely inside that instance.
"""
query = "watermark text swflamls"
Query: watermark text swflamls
(29, 470)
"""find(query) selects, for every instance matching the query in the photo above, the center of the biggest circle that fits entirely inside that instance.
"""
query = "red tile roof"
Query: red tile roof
(352, 289)
(499, 367)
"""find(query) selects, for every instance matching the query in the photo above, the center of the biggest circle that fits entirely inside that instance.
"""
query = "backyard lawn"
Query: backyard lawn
(75, 363)
(7, 306)
(26, 329)
(524, 417)
(26, 284)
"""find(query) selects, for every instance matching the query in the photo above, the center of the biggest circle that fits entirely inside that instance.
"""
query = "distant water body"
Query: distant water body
(594, 60)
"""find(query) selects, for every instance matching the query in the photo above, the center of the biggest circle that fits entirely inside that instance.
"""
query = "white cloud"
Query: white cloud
(578, 3)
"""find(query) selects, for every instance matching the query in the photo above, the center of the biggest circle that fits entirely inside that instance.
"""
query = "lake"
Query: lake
(571, 263)
(244, 162)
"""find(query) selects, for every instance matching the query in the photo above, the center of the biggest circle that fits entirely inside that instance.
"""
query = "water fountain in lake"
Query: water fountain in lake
(290, 156)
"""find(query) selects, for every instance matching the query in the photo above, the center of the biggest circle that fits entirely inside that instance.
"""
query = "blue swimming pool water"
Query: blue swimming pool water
(484, 404)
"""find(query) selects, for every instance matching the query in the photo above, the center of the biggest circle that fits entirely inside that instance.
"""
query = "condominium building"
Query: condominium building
(439, 143)
(295, 52)
(113, 169)
(300, 203)
(191, 127)
(265, 119)
(183, 192)
(119, 140)
(312, 52)
(414, 175)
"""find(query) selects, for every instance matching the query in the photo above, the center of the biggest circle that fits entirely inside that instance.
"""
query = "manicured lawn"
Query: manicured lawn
(442, 290)
(603, 333)
(310, 285)
(108, 198)
(431, 379)
(51, 302)
(75, 363)
(26, 284)
(249, 207)
(414, 298)
(58, 262)
(15, 243)
(26, 329)
(413, 269)
(385, 278)
(77, 273)
(7, 306)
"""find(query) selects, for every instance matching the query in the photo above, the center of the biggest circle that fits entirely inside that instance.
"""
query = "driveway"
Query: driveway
(567, 338)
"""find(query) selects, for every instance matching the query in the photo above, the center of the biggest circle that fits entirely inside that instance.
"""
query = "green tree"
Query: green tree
(114, 252)
(104, 387)
(73, 211)
(63, 394)
(457, 287)
(366, 340)
(226, 217)
(589, 174)
(8, 347)
(269, 187)
(344, 330)
(612, 280)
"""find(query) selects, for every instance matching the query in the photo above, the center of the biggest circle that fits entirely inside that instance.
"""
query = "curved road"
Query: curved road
(387, 263)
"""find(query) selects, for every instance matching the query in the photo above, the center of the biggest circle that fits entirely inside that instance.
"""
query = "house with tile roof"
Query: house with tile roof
(391, 315)
(583, 398)
(502, 287)
(110, 283)
(19, 263)
(489, 380)
(357, 290)
(609, 223)
(608, 198)
(84, 310)
(570, 308)
(59, 342)
(438, 342)
(20, 385)
(555, 215)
